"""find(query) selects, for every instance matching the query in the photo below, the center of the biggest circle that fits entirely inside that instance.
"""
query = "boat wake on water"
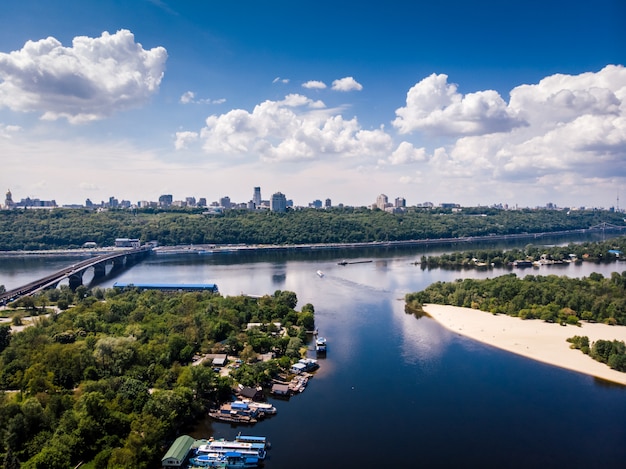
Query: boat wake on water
(352, 283)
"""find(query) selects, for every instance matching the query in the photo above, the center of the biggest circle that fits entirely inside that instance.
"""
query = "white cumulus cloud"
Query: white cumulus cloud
(434, 106)
(183, 139)
(574, 128)
(292, 129)
(314, 85)
(406, 153)
(346, 84)
(188, 97)
(90, 80)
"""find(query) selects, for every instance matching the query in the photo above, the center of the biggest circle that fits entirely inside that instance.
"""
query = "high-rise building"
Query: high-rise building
(225, 202)
(256, 198)
(278, 202)
(400, 202)
(166, 200)
(327, 203)
(381, 201)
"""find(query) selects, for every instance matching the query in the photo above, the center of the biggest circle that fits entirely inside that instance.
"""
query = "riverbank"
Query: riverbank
(535, 339)
(409, 243)
(87, 252)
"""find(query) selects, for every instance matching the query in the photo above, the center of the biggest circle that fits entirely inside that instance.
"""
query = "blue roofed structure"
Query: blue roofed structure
(169, 286)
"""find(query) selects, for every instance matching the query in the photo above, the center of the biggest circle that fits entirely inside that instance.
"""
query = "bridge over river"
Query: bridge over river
(75, 272)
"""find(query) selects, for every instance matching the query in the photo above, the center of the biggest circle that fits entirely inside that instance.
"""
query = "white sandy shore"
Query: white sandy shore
(534, 339)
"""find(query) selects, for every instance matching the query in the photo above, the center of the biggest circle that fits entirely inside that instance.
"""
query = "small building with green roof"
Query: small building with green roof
(177, 454)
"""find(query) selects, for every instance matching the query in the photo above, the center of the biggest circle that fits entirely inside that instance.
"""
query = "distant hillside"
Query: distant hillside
(71, 228)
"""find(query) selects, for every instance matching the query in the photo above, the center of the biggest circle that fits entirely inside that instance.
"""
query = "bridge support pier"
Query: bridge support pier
(75, 280)
(119, 262)
(99, 270)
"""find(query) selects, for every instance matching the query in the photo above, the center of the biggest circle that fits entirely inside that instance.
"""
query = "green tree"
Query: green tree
(293, 348)
(617, 361)
(5, 336)
(306, 321)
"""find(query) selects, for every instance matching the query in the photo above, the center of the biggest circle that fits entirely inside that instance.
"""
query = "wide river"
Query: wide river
(396, 391)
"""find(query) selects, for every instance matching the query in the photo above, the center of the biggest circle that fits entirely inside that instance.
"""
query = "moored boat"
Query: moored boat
(235, 412)
(262, 408)
(228, 460)
(320, 345)
(248, 449)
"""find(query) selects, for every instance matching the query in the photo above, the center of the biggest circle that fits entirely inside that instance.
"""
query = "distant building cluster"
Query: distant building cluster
(382, 203)
(278, 202)
(26, 203)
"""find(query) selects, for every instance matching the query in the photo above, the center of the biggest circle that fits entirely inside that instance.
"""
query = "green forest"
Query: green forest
(109, 381)
(71, 228)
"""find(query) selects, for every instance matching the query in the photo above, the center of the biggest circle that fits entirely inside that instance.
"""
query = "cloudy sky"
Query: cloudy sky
(478, 103)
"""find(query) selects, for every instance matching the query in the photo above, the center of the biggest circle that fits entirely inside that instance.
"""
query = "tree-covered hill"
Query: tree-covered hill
(71, 228)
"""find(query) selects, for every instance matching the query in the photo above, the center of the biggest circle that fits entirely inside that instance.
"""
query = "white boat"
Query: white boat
(249, 449)
(229, 460)
(320, 345)
(260, 407)
(320, 273)
(253, 439)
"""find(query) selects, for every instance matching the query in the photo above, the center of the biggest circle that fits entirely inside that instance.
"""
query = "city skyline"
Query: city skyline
(477, 103)
(381, 201)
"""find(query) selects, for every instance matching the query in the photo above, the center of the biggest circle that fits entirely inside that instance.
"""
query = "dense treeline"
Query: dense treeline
(109, 380)
(70, 228)
(486, 258)
(551, 298)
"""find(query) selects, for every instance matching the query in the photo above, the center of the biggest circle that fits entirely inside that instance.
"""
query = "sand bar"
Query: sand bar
(534, 338)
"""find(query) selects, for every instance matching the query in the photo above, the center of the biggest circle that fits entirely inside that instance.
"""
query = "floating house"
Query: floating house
(304, 364)
(298, 368)
(279, 389)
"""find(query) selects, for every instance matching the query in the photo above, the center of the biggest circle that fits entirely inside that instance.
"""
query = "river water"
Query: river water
(393, 390)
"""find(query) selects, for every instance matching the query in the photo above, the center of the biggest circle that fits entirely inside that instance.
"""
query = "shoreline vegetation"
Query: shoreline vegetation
(484, 258)
(530, 256)
(537, 340)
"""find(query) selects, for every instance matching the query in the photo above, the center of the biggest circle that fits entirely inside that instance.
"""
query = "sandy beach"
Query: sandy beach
(534, 339)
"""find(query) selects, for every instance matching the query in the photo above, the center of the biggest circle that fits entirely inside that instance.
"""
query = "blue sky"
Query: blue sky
(477, 103)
